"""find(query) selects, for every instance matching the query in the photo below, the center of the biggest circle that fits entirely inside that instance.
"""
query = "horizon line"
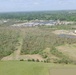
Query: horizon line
(39, 10)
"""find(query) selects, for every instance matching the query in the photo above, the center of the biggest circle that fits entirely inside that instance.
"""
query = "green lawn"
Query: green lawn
(23, 68)
(28, 68)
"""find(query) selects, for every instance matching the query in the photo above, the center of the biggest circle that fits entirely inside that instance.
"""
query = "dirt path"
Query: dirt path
(16, 54)
(63, 71)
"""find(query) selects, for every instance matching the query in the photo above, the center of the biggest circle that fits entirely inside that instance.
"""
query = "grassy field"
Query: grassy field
(33, 68)
(23, 68)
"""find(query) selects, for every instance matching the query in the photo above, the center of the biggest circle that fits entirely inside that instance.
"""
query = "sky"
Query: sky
(36, 5)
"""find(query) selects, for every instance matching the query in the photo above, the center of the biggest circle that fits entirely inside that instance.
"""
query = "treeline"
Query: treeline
(9, 38)
(45, 15)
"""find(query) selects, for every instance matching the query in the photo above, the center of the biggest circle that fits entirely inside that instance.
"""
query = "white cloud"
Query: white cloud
(36, 3)
(67, 1)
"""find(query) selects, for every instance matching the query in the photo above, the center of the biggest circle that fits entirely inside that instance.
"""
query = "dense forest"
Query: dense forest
(44, 15)
(9, 38)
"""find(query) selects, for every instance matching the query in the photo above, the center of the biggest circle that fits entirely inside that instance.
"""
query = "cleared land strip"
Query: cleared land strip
(16, 54)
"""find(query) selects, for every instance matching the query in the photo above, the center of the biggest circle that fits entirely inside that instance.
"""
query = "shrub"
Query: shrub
(29, 60)
(65, 60)
(48, 60)
(33, 60)
(45, 61)
(37, 60)
(21, 59)
(44, 55)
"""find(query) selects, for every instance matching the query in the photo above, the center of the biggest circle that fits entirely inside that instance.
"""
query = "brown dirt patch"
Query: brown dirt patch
(68, 32)
(63, 71)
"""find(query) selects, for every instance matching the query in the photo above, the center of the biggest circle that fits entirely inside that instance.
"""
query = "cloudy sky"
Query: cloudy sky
(36, 5)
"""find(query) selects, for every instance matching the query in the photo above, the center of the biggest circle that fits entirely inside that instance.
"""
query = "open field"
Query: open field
(23, 68)
(34, 68)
